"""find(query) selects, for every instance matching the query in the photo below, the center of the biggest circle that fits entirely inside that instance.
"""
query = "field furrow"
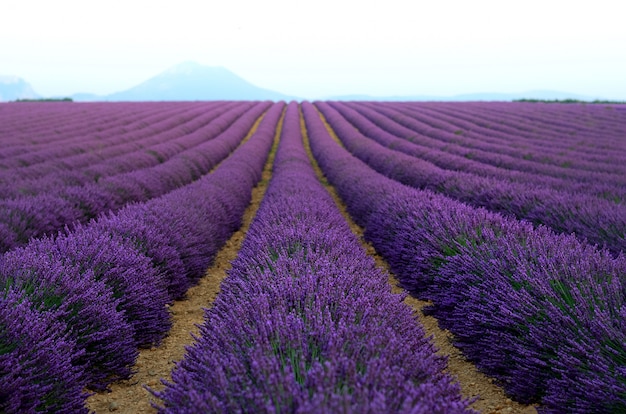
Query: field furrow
(156, 363)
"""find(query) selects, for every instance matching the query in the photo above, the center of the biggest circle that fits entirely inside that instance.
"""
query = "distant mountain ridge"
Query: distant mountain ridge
(190, 81)
(13, 88)
(485, 96)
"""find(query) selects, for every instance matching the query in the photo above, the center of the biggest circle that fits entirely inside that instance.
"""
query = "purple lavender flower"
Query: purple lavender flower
(86, 307)
(36, 360)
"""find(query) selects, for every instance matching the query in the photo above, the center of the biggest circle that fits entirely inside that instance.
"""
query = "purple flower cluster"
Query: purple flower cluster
(99, 291)
(32, 381)
(305, 322)
(543, 313)
(86, 307)
(62, 204)
(596, 220)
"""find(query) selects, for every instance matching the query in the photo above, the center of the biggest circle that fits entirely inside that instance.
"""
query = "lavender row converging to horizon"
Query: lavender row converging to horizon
(596, 220)
(543, 313)
(579, 145)
(393, 135)
(29, 217)
(305, 322)
(103, 287)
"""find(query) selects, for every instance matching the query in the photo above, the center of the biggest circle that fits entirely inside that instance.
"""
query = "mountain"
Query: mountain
(12, 88)
(191, 82)
(538, 94)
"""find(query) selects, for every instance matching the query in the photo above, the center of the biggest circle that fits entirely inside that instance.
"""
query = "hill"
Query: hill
(13, 88)
(192, 82)
(538, 94)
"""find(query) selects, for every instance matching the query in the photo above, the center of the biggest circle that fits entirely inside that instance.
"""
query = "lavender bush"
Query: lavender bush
(36, 360)
(87, 309)
(130, 275)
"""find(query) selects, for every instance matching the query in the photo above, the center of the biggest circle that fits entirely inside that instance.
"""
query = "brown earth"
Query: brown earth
(490, 397)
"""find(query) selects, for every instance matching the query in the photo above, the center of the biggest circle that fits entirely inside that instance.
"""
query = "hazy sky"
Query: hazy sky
(318, 48)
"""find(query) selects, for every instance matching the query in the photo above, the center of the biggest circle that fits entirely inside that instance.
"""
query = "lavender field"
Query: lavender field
(509, 218)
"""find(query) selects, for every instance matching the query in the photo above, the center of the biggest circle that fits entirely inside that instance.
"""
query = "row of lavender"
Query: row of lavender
(559, 129)
(580, 143)
(305, 322)
(92, 157)
(513, 156)
(60, 129)
(453, 156)
(26, 125)
(108, 156)
(26, 217)
(75, 308)
(597, 220)
(543, 313)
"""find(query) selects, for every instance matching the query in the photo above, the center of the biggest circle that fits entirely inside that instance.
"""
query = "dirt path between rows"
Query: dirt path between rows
(491, 398)
(153, 364)
(131, 396)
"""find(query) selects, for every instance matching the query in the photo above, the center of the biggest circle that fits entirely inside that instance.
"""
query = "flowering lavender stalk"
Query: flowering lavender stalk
(305, 322)
(541, 312)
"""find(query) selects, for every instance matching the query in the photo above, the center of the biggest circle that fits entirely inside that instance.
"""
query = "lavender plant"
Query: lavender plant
(131, 276)
(37, 373)
(87, 309)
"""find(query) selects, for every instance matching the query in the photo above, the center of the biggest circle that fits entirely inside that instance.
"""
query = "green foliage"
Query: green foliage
(46, 100)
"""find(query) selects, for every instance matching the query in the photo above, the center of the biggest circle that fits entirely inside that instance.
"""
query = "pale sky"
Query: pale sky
(319, 48)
